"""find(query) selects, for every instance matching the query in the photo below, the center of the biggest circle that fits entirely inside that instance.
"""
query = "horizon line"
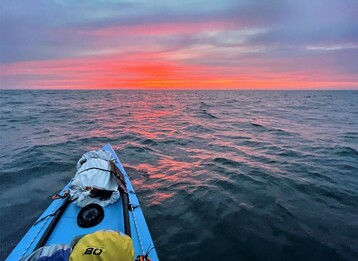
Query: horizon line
(177, 89)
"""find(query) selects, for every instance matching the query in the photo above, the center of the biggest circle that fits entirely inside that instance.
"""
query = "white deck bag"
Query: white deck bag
(93, 173)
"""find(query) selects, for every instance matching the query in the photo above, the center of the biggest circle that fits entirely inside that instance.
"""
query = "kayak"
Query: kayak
(67, 218)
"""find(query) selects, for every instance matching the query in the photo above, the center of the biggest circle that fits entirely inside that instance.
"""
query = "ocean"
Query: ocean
(221, 175)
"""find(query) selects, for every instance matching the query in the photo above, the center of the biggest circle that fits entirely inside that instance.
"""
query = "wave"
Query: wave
(197, 128)
(139, 149)
(149, 142)
(257, 125)
(345, 151)
(350, 136)
(227, 162)
(260, 127)
(178, 141)
(204, 105)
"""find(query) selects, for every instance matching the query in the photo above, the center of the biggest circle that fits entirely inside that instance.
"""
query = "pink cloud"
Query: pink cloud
(156, 70)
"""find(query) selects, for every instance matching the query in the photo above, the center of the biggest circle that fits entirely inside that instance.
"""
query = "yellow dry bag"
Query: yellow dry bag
(103, 245)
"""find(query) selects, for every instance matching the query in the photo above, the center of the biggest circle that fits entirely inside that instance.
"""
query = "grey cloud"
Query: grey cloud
(35, 30)
(32, 30)
(315, 22)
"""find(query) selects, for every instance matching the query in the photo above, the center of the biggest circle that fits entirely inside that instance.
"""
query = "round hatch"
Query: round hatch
(90, 216)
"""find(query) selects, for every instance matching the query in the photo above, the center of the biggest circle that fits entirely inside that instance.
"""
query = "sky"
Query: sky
(179, 44)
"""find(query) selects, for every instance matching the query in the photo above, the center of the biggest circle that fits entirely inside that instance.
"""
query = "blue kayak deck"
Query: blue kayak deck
(66, 228)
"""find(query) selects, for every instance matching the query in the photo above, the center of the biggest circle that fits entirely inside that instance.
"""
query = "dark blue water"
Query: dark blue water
(221, 175)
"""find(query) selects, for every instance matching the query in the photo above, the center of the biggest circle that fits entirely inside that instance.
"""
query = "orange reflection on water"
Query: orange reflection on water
(161, 181)
(151, 122)
(152, 183)
(159, 197)
(147, 133)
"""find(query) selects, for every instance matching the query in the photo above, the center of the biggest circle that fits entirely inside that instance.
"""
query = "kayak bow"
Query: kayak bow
(59, 222)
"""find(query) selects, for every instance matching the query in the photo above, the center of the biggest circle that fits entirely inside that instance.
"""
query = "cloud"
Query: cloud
(317, 22)
(158, 70)
(292, 43)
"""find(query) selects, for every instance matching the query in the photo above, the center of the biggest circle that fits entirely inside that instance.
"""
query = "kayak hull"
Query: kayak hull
(66, 228)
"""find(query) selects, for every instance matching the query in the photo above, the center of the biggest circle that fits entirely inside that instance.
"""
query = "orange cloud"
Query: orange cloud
(157, 71)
